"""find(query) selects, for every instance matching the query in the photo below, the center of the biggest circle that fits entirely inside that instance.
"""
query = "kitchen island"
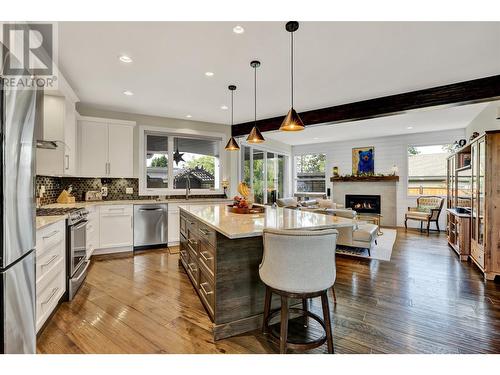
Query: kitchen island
(221, 252)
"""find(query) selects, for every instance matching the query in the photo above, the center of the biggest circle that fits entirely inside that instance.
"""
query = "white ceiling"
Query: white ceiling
(427, 120)
(336, 62)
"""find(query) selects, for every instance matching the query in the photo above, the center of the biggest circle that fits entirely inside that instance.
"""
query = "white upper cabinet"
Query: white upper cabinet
(106, 148)
(59, 124)
(70, 139)
(93, 148)
(120, 150)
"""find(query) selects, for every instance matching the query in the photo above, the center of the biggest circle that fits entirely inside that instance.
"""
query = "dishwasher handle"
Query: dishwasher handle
(151, 209)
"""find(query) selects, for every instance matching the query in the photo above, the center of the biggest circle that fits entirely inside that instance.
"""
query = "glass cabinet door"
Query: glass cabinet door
(474, 166)
(481, 191)
(450, 202)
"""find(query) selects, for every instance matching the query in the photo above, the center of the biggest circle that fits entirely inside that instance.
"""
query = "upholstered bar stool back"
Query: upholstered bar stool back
(300, 265)
(299, 261)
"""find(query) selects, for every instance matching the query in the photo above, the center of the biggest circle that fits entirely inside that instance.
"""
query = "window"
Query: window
(264, 172)
(427, 169)
(156, 161)
(199, 163)
(174, 161)
(310, 173)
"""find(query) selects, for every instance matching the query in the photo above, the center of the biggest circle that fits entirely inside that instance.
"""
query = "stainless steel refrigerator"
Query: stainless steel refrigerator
(18, 115)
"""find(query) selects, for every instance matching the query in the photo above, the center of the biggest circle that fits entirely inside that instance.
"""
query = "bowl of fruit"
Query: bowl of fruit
(244, 204)
(240, 205)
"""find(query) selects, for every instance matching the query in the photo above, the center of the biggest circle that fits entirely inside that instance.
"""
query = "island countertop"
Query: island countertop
(231, 225)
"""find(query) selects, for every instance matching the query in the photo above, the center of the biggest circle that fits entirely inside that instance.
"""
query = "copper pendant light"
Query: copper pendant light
(292, 121)
(232, 145)
(255, 136)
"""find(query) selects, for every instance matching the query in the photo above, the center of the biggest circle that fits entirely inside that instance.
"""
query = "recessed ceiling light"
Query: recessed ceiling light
(224, 107)
(125, 59)
(189, 116)
(209, 74)
(238, 29)
(409, 127)
(128, 93)
(316, 138)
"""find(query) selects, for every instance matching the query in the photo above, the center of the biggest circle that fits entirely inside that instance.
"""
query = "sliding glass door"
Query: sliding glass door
(258, 176)
(264, 172)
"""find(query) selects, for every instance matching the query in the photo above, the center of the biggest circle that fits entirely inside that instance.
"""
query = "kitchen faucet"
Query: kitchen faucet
(188, 186)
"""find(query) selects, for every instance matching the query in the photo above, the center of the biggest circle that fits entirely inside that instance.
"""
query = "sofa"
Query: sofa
(363, 235)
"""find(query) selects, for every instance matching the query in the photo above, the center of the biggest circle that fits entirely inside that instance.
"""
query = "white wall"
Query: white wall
(389, 151)
(485, 120)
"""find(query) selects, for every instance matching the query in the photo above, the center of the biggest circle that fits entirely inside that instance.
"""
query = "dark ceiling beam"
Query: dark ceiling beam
(467, 92)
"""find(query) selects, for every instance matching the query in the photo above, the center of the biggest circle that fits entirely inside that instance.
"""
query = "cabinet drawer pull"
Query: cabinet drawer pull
(116, 209)
(50, 235)
(54, 257)
(207, 258)
(52, 294)
(66, 158)
(202, 286)
(205, 231)
(192, 267)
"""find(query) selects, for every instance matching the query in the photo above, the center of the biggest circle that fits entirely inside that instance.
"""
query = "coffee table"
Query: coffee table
(373, 218)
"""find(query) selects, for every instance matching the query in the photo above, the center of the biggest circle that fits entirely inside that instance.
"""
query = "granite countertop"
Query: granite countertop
(231, 225)
(134, 201)
(43, 221)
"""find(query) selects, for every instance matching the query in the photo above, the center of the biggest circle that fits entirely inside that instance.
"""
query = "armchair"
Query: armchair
(427, 210)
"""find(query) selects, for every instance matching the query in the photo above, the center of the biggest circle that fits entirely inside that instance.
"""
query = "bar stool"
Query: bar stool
(298, 264)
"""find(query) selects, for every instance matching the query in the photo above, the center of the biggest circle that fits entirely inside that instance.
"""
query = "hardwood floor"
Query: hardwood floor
(422, 301)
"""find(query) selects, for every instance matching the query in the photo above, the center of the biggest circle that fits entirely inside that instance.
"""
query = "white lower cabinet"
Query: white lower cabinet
(173, 224)
(50, 269)
(116, 223)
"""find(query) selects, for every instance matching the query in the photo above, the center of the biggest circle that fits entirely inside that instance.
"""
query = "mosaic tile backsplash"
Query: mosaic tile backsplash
(116, 188)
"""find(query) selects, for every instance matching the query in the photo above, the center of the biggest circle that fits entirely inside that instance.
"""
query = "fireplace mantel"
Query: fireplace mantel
(364, 178)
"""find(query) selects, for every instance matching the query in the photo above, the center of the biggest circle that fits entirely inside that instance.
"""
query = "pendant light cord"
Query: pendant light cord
(291, 60)
(255, 94)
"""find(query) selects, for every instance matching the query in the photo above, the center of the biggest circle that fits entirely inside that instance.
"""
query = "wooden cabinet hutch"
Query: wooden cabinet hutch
(474, 212)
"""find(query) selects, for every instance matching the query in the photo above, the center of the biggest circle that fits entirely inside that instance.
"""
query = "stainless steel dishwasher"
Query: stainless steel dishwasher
(150, 225)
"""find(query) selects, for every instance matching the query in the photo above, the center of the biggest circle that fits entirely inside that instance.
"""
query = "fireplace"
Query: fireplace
(363, 203)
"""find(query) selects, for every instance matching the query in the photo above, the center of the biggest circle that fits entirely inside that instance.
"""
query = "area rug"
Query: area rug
(381, 251)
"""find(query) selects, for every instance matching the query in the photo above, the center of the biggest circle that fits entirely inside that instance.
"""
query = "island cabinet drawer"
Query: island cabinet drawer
(206, 233)
(207, 257)
(191, 226)
(183, 250)
(183, 224)
(193, 247)
(206, 291)
(193, 270)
